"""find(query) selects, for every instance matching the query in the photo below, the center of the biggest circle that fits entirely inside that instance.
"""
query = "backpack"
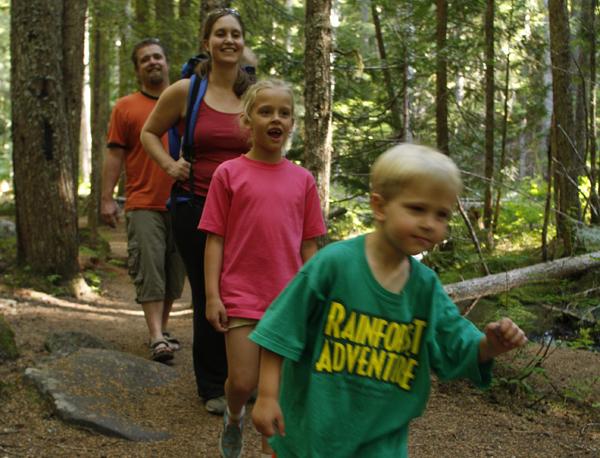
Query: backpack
(176, 147)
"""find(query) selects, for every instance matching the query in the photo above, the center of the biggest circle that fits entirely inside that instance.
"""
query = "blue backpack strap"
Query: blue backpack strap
(195, 95)
(174, 142)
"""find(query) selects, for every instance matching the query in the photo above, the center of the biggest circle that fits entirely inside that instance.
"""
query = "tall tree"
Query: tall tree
(73, 38)
(588, 62)
(441, 77)
(567, 168)
(387, 74)
(489, 121)
(42, 134)
(317, 95)
(100, 33)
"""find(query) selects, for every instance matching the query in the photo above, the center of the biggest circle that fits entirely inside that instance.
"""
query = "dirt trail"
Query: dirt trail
(460, 421)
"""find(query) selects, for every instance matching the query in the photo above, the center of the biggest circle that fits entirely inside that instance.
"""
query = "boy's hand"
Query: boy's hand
(500, 336)
(216, 314)
(267, 416)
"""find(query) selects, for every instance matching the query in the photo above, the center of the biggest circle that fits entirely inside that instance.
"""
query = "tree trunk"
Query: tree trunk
(441, 77)
(566, 167)
(42, 137)
(502, 165)
(100, 109)
(126, 73)
(73, 39)
(590, 35)
(500, 283)
(387, 75)
(317, 95)
(489, 122)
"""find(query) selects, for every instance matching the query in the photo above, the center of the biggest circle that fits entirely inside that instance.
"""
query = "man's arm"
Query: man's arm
(111, 170)
(266, 414)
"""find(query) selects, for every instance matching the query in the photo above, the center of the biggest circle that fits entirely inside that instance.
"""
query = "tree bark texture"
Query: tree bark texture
(500, 283)
(42, 139)
(489, 122)
(441, 77)
(317, 96)
(567, 167)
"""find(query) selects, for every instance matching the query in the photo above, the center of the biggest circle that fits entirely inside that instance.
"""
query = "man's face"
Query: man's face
(152, 67)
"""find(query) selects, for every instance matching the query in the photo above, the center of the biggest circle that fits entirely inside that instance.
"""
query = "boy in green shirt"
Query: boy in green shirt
(348, 346)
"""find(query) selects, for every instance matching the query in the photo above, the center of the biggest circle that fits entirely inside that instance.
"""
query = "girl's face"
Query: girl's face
(271, 120)
(226, 40)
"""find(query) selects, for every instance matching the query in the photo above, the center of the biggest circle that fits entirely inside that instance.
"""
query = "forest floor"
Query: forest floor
(553, 413)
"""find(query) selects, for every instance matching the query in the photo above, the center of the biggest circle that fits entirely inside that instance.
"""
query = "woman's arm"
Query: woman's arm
(308, 249)
(169, 110)
(213, 261)
(266, 414)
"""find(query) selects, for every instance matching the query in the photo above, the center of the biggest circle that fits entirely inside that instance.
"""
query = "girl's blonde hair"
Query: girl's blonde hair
(249, 96)
(405, 164)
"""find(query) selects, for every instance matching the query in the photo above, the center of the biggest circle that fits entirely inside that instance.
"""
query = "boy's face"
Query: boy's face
(416, 219)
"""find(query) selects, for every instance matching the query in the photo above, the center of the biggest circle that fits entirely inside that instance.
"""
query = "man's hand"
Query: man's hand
(179, 170)
(500, 336)
(267, 416)
(109, 211)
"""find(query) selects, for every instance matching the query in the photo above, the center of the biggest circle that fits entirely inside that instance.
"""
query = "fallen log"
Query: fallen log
(502, 282)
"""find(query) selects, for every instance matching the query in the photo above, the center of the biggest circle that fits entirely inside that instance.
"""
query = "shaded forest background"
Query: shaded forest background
(507, 88)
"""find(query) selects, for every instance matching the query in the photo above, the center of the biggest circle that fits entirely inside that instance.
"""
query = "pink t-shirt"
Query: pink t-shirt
(263, 212)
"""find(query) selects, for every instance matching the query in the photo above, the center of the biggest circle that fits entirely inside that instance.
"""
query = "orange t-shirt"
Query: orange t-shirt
(147, 186)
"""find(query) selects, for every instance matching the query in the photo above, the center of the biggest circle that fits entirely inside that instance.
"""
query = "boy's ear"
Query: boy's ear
(377, 206)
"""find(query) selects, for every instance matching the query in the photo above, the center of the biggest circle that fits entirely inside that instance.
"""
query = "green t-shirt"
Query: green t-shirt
(358, 357)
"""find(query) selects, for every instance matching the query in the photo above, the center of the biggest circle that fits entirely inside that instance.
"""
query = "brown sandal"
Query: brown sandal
(172, 341)
(160, 351)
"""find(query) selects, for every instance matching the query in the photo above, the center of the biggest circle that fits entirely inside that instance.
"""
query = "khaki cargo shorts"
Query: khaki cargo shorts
(154, 264)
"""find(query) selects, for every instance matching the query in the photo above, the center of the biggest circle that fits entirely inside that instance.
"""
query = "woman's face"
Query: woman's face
(225, 43)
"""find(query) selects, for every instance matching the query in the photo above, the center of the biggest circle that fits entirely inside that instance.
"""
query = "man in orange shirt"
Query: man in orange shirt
(154, 264)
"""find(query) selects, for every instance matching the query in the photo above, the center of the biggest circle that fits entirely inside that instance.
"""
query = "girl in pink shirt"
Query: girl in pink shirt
(262, 216)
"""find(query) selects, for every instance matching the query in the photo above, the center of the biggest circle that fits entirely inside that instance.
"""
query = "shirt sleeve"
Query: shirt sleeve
(117, 130)
(285, 325)
(217, 205)
(454, 343)
(313, 216)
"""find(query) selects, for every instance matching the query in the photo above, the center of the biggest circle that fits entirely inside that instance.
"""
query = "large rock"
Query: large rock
(8, 347)
(104, 390)
(65, 343)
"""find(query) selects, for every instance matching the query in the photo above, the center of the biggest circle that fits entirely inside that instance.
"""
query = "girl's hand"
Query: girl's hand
(501, 336)
(179, 170)
(216, 314)
(267, 416)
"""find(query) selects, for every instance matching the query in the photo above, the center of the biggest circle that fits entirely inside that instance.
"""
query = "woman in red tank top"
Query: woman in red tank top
(217, 138)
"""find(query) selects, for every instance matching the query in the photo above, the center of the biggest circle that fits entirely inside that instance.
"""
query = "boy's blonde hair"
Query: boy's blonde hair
(405, 164)
(249, 96)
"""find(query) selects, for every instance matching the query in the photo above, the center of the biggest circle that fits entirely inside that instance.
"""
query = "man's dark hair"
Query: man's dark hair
(142, 44)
